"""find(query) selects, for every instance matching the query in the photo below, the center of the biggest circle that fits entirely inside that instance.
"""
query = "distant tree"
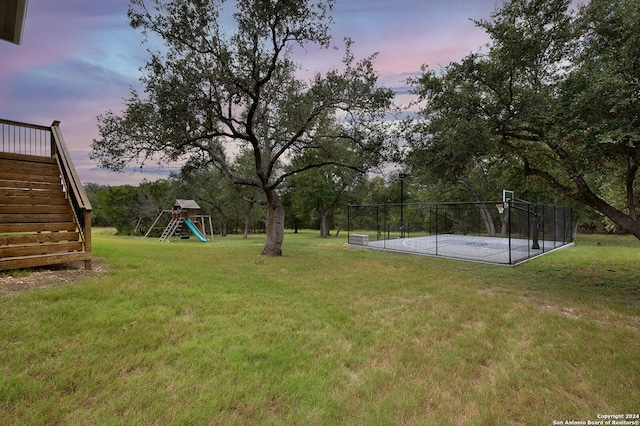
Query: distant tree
(232, 205)
(243, 164)
(381, 191)
(118, 207)
(151, 198)
(211, 89)
(554, 94)
(126, 207)
(322, 192)
(97, 215)
(211, 189)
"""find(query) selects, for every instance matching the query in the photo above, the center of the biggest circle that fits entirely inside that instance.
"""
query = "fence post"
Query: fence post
(386, 225)
(348, 222)
(436, 229)
(509, 229)
(377, 221)
(536, 245)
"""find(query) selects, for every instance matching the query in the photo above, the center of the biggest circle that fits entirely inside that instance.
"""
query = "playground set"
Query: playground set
(508, 232)
(184, 219)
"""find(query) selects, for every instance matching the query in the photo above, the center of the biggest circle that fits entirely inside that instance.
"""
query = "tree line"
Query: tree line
(315, 202)
(549, 107)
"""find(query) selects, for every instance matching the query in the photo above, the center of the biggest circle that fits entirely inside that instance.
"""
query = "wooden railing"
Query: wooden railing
(24, 138)
(43, 141)
(77, 195)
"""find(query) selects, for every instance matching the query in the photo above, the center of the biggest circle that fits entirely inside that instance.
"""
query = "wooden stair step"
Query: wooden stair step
(23, 210)
(33, 200)
(16, 250)
(27, 158)
(35, 217)
(37, 227)
(42, 260)
(33, 168)
(42, 237)
(21, 176)
(11, 188)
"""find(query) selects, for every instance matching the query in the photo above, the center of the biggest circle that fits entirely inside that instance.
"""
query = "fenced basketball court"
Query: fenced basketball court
(503, 232)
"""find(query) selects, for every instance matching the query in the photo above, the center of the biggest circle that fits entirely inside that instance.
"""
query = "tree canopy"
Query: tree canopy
(219, 85)
(555, 93)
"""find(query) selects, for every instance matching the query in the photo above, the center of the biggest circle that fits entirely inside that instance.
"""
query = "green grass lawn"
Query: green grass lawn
(191, 333)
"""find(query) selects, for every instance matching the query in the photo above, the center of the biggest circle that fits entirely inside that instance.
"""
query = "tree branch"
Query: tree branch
(313, 166)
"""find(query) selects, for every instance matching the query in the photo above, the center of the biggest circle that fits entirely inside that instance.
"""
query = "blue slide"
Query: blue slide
(194, 229)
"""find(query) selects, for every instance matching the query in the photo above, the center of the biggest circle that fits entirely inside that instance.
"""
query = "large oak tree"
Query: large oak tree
(226, 77)
(556, 92)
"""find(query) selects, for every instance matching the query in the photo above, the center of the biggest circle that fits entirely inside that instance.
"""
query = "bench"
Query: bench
(359, 239)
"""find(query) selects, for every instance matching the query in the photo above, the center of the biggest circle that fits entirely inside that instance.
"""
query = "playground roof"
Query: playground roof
(186, 204)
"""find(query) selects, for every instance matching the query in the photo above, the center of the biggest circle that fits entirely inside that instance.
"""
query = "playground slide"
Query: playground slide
(194, 229)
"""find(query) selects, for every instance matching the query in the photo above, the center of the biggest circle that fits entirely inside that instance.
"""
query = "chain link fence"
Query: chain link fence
(493, 232)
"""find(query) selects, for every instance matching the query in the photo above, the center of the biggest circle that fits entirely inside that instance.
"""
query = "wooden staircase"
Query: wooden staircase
(40, 223)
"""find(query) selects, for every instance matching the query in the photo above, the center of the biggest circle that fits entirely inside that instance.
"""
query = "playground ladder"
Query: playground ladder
(170, 229)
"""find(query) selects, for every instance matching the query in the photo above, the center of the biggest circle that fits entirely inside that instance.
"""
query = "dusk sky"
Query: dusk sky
(79, 58)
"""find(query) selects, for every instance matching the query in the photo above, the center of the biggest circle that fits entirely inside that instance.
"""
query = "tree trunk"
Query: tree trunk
(585, 195)
(274, 225)
(325, 228)
(224, 222)
(488, 220)
(247, 221)
(632, 171)
(505, 218)
(626, 222)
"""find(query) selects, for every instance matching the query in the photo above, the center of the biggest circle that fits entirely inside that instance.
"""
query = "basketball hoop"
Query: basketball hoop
(500, 208)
